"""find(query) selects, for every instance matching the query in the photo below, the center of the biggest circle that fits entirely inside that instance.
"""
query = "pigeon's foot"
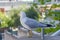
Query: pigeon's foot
(30, 33)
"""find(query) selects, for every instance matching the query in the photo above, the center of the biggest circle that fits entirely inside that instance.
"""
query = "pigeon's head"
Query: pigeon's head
(22, 14)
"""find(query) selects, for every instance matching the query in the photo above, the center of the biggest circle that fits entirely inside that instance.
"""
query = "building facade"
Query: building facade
(20, 0)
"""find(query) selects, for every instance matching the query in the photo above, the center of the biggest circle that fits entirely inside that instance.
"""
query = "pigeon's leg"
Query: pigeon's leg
(30, 33)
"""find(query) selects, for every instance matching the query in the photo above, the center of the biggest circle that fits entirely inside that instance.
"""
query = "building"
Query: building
(7, 4)
(20, 0)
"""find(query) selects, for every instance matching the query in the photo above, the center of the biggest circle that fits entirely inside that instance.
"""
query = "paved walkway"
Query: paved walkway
(39, 38)
(35, 37)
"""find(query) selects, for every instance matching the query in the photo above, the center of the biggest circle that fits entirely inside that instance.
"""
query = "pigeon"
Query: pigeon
(30, 23)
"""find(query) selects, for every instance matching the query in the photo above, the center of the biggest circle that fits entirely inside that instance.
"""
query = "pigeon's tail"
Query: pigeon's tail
(47, 25)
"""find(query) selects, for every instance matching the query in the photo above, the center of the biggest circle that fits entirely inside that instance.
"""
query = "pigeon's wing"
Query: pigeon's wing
(33, 23)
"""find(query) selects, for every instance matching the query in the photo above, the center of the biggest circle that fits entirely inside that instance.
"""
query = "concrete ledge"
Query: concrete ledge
(34, 32)
(57, 33)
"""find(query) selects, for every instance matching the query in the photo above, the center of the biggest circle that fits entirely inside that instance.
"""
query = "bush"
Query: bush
(32, 13)
(41, 1)
(38, 29)
(54, 6)
(48, 0)
(48, 30)
(3, 20)
(15, 19)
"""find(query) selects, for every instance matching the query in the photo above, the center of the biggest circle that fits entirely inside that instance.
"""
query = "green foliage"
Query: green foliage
(41, 2)
(57, 15)
(32, 13)
(4, 20)
(58, 5)
(14, 11)
(49, 14)
(54, 14)
(48, 30)
(35, 5)
(14, 14)
(38, 30)
(54, 6)
(48, 0)
(15, 19)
